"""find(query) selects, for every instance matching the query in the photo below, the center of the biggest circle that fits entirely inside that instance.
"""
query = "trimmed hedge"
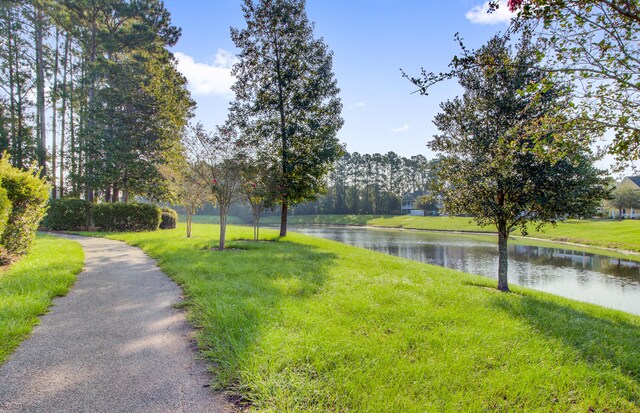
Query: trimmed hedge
(68, 214)
(28, 195)
(123, 217)
(169, 218)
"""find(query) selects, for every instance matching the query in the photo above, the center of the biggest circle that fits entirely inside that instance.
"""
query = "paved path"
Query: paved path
(113, 344)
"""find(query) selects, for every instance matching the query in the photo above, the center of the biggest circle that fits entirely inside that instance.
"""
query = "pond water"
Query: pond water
(606, 281)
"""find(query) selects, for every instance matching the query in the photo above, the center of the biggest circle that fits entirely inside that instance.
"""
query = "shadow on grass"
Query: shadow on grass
(236, 297)
(610, 343)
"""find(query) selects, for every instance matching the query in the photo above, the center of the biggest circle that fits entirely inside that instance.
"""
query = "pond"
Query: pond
(606, 281)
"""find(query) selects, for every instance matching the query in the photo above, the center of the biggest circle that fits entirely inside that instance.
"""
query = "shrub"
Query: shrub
(68, 214)
(124, 217)
(169, 219)
(5, 209)
(28, 195)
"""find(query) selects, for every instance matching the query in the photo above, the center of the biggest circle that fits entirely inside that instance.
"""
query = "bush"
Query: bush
(169, 219)
(68, 214)
(5, 209)
(28, 195)
(124, 217)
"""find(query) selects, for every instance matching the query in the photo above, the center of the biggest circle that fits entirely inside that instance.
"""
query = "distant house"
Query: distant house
(410, 201)
(632, 182)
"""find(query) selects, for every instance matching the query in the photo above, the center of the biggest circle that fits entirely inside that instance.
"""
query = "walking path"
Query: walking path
(113, 344)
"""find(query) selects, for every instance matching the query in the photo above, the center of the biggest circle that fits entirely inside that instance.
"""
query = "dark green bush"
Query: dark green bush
(68, 214)
(125, 217)
(28, 196)
(169, 218)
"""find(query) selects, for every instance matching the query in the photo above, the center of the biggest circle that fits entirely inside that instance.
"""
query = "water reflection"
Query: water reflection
(610, 282)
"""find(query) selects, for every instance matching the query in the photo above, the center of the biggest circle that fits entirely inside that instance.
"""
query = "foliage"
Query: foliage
(68, 214)
(596, 45)
(125, 217)
(625, 197)
(185, 187)
(28, 195)
(28, 286)
(286, 98)
(169, 218)
(311, 325)
(217, 162)
(6, 207)
(492, 167)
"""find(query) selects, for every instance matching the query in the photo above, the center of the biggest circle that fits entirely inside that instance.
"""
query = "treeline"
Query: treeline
(371, 184)
(96, 81)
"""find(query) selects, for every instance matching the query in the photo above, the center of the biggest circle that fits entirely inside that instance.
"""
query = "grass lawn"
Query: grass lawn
(211, 219)
(322, 219)
(306, 324)
(28, 286)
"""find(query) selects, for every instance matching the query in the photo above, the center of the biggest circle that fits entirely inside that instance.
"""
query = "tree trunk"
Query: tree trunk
(223, 226)
(40, 105)
(283, 218)
(63, 114)
(54, 117)
(503, 238)
(189, 224)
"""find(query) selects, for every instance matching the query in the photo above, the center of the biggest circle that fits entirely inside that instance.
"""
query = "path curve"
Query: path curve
(115, 343)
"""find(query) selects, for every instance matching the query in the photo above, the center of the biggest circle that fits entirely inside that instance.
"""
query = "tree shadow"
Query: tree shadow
(235, 298)
(606, 342)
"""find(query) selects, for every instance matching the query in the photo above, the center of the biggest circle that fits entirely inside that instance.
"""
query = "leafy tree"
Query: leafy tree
(625, 197)
(185, 188)
(286, 95)
(258, 191)
(596, 44)
(491, 167)
(217, 161)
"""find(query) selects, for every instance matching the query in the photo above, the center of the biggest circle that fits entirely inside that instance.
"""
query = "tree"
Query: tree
(258, 191)
(595, 43)
(286, 94)
(625, 197)
(185, 188)
(217, 162)
(491, 167)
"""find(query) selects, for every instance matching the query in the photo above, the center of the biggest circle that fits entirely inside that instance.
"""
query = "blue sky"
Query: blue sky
(371, 41)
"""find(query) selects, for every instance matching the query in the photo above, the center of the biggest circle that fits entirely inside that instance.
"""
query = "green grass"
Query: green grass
(306, 324)
(211, 219)
(321, 219)
(28, 286)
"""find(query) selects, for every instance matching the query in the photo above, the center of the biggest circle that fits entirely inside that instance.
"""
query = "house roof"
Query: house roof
(635, 180)
(413, 196)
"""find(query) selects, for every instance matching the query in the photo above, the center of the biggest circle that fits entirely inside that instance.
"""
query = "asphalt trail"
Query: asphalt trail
(115, 343)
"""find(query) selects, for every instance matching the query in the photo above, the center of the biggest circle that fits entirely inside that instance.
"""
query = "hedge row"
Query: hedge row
(23, 202)
(73, 214)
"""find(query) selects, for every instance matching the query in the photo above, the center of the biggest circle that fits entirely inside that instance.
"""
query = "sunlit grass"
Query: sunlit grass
(306, 324)
(27, 287)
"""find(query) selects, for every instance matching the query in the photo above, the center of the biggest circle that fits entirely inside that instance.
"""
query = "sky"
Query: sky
(371, 41)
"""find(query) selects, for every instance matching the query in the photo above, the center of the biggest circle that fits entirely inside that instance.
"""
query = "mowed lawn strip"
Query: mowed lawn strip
(305, 324)
(28, 287)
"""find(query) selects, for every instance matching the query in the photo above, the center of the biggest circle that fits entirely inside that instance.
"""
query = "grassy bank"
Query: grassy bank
(27, 287)
(305, 324)
(212, 219)
(322, 219)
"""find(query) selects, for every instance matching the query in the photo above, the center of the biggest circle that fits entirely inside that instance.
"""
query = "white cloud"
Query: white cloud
(401, 129)
(356, 105)
(208, 79)
(479, 14)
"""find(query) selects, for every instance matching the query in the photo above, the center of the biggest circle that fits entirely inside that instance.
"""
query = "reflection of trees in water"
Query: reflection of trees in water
(531, 264)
